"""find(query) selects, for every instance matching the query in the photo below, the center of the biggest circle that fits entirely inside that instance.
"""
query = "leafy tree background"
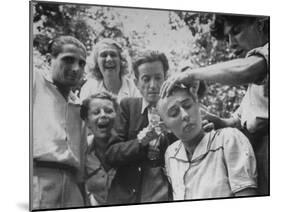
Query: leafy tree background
(183, 36)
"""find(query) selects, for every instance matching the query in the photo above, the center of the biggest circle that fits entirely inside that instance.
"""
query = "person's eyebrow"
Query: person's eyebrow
(172, 108)
(186, 100)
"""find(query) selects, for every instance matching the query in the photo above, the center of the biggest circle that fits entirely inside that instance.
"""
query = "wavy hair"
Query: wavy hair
(94, 67)
(102, 95)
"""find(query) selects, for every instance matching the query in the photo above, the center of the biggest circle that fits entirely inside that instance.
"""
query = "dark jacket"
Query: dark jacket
(137, 179)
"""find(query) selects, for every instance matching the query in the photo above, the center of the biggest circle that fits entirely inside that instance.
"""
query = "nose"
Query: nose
(102, 113)
(75, 66)
(152, 83)
(184, 115)
(108, 57)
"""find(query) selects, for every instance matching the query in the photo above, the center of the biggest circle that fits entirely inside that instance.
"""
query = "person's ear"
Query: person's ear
(48, 58)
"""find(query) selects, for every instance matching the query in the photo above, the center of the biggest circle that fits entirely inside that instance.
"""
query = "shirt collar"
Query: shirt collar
(72, 98)
(144, 105)
(202, 148)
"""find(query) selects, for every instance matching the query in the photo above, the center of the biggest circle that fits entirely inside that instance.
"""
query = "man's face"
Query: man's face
(181, 114)
(243, 37)
(150, 80)
(68, 66)
(109, 61)
(101, 117)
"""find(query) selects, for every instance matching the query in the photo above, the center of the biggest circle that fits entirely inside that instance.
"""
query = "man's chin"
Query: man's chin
(152, 100)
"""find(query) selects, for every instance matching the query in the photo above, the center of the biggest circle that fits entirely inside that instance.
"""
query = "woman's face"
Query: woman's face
(101, 117)
(181, 114)
(109, 61)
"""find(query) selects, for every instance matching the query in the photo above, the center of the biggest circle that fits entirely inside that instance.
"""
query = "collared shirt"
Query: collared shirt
(57, 127)
(222, 164)
(253, 111)
(92, 86)
(98, 179)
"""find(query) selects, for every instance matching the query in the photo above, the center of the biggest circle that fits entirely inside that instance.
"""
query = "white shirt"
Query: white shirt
(253, 111)
(92, 86)
(58, 134)
(222, 164)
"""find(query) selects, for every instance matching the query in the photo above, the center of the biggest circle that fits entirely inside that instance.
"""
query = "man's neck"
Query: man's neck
(190, 145)
(63, 89)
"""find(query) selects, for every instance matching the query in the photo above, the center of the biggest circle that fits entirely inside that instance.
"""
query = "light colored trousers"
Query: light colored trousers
(55, 188)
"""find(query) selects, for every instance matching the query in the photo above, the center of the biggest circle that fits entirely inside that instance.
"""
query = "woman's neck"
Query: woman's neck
(112, 84)
(190, 145)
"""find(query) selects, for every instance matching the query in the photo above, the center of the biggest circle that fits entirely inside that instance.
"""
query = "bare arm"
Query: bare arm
(234, 72)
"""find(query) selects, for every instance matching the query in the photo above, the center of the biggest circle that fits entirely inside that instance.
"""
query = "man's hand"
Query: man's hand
(211, 121)
(179, 78)
(146, 135)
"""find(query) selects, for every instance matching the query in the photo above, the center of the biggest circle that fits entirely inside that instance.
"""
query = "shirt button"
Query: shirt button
(139, 168)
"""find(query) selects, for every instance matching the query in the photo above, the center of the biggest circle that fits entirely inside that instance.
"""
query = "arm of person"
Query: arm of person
(122, 151)
(246, 192)
(219, 122)
(234, 72)
(240, 162)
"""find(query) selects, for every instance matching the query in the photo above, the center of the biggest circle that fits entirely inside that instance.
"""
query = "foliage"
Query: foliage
(183, 36)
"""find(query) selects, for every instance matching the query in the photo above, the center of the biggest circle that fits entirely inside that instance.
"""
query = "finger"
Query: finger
(209, 127)
(169, 87)
(163, 89)
(204, 122)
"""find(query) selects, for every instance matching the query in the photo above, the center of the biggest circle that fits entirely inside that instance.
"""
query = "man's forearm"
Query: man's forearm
(234, 72)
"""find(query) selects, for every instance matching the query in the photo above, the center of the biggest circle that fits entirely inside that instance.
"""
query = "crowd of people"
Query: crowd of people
(124, 141)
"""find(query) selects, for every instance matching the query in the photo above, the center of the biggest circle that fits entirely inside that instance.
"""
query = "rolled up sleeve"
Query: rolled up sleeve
(240, 161)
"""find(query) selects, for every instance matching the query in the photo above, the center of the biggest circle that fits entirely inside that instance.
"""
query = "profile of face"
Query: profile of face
(150, 79)
(244, 37)
(101, 117)
(68, 66)
(109, 61)
(181, 114)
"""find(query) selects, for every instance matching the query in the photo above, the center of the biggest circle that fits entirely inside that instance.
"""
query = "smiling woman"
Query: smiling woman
(109, 72)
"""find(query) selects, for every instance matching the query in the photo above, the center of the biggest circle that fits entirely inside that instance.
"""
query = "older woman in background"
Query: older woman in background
(109, 72)
(99, 113)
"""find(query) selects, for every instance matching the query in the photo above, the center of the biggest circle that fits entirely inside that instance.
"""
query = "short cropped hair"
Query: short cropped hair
(55, 45)
(95, 70)
(148, 57)
(217, 28)
(200, 92)
(102, 95)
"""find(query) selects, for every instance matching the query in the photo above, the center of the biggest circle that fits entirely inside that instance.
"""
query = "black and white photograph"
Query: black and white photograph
(136, 105)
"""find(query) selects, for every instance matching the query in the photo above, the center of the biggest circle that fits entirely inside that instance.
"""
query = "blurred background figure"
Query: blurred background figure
(109, 72)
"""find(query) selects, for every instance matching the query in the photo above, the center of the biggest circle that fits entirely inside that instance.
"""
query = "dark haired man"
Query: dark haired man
(57, 128)
(140, 176)
(250, 36)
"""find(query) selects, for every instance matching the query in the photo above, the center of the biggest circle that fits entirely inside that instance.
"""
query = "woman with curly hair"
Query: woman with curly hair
(109, 72)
